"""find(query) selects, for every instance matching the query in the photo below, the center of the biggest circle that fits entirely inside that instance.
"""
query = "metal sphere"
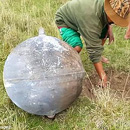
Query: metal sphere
(43, 75)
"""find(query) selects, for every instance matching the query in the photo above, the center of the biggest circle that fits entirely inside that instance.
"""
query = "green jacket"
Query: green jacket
(89, 19)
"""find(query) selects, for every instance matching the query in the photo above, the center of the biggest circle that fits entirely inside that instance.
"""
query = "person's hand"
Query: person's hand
(103, 82)
(104, 60)
(127, 37)
(101, 73)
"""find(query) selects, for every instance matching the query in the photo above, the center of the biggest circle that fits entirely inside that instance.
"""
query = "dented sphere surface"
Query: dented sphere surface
(43, 75)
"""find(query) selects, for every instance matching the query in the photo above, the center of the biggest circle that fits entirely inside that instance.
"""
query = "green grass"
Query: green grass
(20, 20)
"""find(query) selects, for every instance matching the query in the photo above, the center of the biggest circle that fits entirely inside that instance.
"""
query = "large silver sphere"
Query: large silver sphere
(43, 75)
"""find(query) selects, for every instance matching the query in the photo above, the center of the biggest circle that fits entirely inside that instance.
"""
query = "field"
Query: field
(109, 108)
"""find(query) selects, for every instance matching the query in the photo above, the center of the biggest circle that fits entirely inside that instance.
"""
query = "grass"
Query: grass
(20, 20)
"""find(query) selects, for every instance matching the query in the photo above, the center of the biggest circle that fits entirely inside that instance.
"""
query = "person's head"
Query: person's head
(118, 11)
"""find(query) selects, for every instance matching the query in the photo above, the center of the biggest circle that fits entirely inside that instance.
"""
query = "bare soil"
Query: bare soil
(119, 83)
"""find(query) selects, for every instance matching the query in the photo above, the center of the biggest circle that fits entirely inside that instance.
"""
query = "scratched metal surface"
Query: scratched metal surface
(43, 75)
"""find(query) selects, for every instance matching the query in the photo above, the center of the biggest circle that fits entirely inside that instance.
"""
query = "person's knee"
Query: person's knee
(78, 49)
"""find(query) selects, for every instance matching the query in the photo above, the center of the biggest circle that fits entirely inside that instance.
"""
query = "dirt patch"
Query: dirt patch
(119, 83)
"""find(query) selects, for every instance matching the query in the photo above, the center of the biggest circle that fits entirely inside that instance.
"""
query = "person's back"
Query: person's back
(88, 18)
(79, 14)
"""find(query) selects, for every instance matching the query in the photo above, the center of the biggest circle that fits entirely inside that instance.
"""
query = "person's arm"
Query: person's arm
(95, 48)
(101, 73)
(110, 34)
(127, 35)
